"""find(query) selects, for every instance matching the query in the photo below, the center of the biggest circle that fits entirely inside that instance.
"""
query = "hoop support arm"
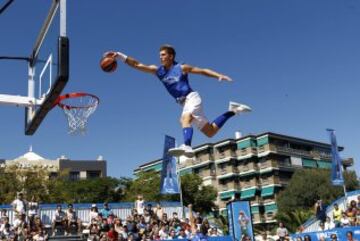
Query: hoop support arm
(18, 100)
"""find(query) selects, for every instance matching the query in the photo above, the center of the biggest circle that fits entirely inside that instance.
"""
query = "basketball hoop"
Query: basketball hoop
(78, 107)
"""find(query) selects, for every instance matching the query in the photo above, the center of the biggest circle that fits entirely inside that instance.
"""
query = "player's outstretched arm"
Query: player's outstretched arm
(134, 63)
(207, 72)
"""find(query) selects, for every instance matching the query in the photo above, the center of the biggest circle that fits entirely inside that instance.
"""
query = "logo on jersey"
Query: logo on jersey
(170, 79)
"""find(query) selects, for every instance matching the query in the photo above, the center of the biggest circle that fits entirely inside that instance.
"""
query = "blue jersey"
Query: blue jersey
(174, 80)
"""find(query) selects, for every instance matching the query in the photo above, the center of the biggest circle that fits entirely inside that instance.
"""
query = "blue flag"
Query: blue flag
(169, 180)
(336, 171)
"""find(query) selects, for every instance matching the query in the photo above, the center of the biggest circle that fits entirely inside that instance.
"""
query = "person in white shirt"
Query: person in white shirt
(345, 222)
(19, 204)
(94, 212)
(59, 219)
(139, 205)
(329, 224)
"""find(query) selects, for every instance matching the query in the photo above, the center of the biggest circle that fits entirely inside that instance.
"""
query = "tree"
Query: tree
(147, 184)
(201, 197)
(305, 187)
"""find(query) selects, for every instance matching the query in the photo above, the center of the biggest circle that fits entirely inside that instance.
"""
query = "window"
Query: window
(73, 176)
(93, 174)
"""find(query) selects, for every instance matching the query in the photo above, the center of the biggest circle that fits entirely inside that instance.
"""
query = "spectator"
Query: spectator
(182, 234)
(329, 224)
(333, 237)
(345, 222)
(19, 204)
(321, 227)
(3, 216)
(163, 232)
(282, 232)
(307, 238)
(159, 211)
(351, 212)
(72, 220)
(59, 219)
(106, 211)
(139, 205)
(172, 234)
(349, 236)
(320, 211)
(246, 238)
(94, 212)
(33, 209)
(112, 234)
(337, 215)
(214, 232)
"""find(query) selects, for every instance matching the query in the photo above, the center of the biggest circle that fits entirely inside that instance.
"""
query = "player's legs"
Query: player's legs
(185, 120)
(210, 129)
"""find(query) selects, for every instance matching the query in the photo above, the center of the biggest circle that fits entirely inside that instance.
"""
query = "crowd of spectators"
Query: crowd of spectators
(144, 223)
(338, 218)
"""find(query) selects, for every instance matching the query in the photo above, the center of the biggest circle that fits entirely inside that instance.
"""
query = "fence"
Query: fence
(121, 210)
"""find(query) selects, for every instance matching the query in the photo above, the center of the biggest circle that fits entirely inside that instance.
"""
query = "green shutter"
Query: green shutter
(226, 195)
(324, 164)
(309, 162)
(156, 167)
(244, 144)
(270, 208)
(255, 209)
(248, 193)
(267, 191)
(263, 141)
(185, 171)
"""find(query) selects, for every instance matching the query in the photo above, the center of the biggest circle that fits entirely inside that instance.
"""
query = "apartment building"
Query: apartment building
(77, 169)
(253, 168)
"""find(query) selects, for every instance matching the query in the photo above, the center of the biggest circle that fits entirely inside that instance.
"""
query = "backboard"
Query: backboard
(48, 66)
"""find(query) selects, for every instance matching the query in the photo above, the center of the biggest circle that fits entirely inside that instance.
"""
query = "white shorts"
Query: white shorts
(193, 105)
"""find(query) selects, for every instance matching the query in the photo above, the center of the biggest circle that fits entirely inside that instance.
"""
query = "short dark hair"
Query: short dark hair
(169, 49)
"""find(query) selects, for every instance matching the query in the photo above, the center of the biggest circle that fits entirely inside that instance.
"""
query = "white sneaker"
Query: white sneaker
(238, 108)
(182, 150)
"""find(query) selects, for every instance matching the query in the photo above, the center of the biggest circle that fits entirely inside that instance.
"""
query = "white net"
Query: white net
(77, 110)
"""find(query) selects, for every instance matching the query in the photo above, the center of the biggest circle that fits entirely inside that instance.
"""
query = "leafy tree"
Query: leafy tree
(146, 184)
(305, 187)
(201, 197)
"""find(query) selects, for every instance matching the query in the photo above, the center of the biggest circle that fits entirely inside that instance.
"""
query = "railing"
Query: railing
(122, 210)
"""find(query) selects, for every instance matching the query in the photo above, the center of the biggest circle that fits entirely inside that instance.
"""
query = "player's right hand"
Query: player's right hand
(225, 78)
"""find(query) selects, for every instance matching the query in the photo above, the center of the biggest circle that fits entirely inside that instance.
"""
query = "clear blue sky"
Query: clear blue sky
(295, 62)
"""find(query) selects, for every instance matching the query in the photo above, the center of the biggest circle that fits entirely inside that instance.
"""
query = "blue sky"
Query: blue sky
(296, 63)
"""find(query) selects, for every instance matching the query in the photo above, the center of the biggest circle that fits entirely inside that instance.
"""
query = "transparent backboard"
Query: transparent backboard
(49, 66)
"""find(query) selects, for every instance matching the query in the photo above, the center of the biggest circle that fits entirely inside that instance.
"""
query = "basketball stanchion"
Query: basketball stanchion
(78, 107)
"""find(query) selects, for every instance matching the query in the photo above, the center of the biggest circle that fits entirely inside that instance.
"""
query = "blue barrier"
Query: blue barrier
(220, 238)
(339, 232)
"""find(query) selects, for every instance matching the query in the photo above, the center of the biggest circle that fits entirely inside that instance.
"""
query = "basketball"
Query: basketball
(108, 64)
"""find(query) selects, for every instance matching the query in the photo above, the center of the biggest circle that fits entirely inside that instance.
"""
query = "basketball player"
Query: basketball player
(174, 76)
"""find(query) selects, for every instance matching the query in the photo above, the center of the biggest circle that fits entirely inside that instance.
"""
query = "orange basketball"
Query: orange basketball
(108, 64)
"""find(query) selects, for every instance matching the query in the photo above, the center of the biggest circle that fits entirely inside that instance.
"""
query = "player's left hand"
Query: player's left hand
(225, 78)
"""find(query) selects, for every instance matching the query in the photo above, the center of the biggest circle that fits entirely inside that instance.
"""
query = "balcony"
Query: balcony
(268, 164)
(228, 186)
(274, 180)
(266, 148)
(207, 173)
(203, 157)
(246, 152)
(248, 168)
(228, 153)
(293, 152)
(249, 183)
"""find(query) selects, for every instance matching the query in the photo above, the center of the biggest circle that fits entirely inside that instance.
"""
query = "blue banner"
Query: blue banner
(341, 234)
(240, 222)
(336, 171)
(169, 180)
